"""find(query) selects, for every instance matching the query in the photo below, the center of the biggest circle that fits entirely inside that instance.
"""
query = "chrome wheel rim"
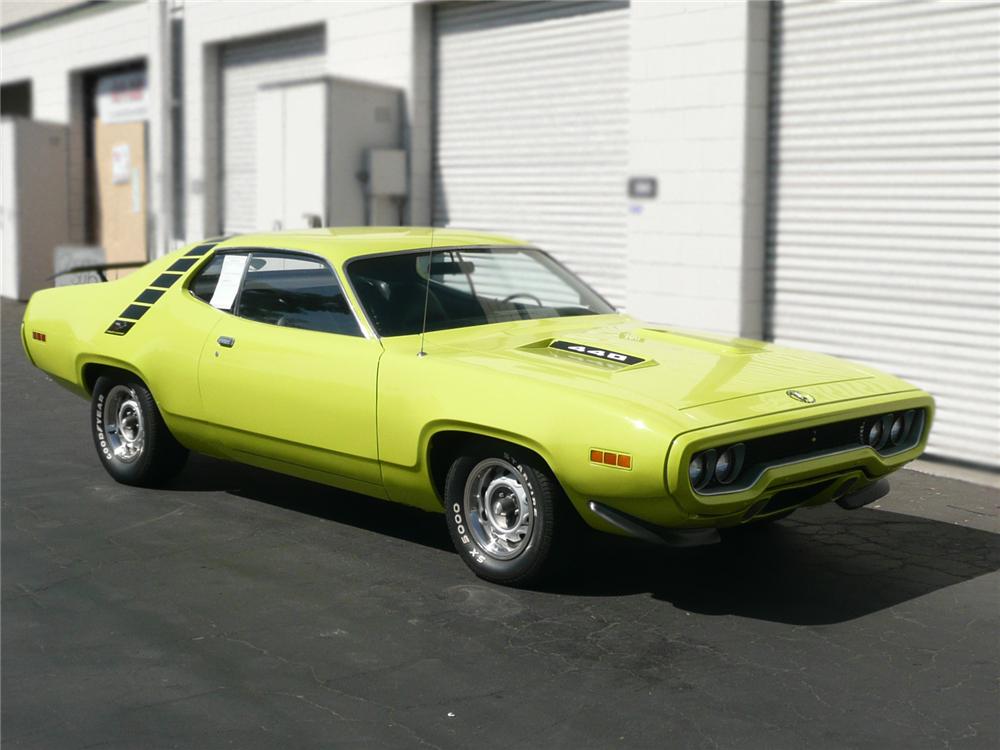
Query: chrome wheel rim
(123, 424)
(498, 509)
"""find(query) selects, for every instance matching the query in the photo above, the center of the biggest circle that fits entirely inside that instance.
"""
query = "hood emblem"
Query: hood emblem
(805, 398)
(605, 354)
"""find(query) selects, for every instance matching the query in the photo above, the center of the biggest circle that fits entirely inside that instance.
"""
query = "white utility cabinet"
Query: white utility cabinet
(314, 139)
(291, 155)
(34, 214)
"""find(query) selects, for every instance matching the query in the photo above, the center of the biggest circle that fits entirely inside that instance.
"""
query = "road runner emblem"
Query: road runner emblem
(805, 398)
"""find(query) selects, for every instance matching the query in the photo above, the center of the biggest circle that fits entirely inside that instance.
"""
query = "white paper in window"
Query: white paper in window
(229, 281)
(121, 164)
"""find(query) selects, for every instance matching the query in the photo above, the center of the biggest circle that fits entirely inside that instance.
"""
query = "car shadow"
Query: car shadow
(820, 566)
(204, 474)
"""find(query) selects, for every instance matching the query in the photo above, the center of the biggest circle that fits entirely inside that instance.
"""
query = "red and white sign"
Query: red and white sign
(123, 98)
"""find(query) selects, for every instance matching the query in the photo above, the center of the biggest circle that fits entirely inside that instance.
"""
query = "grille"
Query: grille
(811, 442)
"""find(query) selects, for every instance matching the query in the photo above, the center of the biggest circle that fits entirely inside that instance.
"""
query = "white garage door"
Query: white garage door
(532, 129)
(245, 67)
(885, 225)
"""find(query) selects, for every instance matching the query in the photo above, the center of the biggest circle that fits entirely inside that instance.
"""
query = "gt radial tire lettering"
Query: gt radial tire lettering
(99, 425)
(459, 527)
(471, 548)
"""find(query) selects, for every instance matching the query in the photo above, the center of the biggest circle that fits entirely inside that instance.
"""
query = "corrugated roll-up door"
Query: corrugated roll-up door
(245, 67)
(885, 205)
(532, 128)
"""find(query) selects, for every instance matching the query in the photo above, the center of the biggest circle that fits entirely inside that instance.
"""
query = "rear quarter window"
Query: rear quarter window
(203, 284)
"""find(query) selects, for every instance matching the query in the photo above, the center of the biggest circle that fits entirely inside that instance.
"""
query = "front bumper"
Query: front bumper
(844, 490)
(825, 475)
(813, 480)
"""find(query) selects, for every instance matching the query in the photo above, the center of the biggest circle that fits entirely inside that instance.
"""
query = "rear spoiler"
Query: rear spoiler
(100, 268)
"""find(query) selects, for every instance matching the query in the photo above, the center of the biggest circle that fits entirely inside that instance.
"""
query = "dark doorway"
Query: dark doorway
(15, 99)
(88, 110)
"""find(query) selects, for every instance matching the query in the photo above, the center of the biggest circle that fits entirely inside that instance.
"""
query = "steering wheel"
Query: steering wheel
(515, 295)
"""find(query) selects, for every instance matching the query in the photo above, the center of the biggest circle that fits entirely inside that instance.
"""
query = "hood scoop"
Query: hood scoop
(587, 354)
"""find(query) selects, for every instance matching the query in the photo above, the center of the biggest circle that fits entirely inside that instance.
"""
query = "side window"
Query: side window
(296, 292)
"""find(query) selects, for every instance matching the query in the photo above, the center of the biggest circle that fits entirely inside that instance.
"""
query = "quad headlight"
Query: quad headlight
(702, 468)
(729, 463)
(722, 466)
(900, 430)
(874, 433)
(888, 430)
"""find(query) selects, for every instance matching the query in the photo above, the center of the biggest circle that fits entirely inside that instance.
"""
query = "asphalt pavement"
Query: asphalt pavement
(239, 608)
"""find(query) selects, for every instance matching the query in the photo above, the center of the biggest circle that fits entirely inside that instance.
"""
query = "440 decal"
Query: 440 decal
(605, 354)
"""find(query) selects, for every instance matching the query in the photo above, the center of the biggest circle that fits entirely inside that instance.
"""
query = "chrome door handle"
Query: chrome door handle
(227, 341)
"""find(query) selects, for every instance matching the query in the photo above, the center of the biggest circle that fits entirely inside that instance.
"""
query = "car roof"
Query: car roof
(339, 244)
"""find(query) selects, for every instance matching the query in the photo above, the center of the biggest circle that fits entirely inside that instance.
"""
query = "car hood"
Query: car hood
(679, 369)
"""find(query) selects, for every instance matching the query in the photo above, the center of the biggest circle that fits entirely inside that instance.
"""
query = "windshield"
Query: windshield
(467, 288)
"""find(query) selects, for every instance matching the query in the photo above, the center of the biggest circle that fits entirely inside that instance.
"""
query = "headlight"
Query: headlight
(901, 425)
(874, 432)
(729, 463)
(701, 468)
(898, 430)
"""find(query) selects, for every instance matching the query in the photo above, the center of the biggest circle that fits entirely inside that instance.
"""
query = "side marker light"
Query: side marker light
(611, 458)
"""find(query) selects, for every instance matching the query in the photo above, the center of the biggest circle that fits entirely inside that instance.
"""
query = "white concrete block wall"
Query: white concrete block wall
(367, 41)
(698, 104)
(697, 87)
(48, 54)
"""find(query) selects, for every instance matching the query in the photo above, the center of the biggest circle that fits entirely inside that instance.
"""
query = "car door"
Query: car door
(287, 372)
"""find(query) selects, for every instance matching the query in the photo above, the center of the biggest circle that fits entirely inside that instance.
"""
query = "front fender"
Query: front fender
(562, 425)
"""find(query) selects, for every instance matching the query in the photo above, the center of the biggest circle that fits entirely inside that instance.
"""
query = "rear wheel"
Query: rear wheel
(132, 439)
(505, 513)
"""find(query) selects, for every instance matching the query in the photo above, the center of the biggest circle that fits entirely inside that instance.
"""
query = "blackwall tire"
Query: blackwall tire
(508, 516)
(132, 440)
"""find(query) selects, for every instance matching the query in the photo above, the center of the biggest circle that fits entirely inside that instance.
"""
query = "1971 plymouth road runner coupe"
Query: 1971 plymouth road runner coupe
(467, 374)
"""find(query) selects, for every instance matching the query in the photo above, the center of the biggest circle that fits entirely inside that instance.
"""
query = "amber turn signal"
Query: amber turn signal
(611, 458)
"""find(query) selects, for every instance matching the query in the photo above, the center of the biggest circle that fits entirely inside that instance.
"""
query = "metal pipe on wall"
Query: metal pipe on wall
(161, 188)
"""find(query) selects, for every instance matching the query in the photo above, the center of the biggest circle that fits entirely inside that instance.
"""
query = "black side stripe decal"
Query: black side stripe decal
(120, 327)
(134, 312)
(165, 280)
(200, 249)
(149, 296)
(182, 264)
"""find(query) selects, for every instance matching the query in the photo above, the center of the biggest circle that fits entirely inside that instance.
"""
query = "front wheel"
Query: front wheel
(132, 439)
(505, 511)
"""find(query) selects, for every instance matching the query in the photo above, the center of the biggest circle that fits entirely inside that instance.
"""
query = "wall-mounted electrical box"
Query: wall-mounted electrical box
(386, 184)
(386, 168)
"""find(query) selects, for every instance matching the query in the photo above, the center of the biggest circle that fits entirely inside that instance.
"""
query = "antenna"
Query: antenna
(427, 294)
